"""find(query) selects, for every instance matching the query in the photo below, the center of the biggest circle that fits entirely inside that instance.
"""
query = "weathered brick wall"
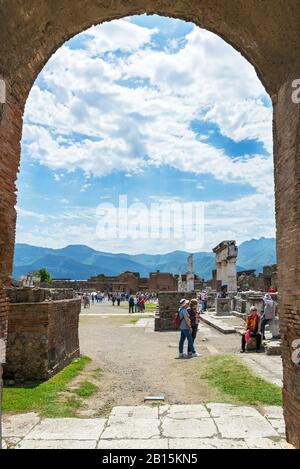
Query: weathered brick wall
(287, 198)
(42, 338)
(3, 324)
(168, 306)
(31, 31)
(38, 295)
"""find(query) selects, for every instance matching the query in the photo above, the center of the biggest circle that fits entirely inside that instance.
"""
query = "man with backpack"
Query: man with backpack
(186, 330)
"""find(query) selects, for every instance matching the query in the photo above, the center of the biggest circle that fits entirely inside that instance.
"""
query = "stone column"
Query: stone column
(287, 195)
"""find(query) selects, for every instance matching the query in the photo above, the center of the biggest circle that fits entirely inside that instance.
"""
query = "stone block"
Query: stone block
(223, 306)
(67, 429)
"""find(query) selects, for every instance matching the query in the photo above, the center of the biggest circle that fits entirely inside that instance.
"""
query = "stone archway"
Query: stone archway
(265, 32)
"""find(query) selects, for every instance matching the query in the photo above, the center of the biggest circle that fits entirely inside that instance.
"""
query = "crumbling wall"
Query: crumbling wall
(42, 338)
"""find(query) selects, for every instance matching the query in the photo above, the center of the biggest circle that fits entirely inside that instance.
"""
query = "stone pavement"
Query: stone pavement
(160, 427)
(268, 367)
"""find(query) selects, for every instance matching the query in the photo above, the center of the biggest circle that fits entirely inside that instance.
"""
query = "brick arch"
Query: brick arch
(266, 33)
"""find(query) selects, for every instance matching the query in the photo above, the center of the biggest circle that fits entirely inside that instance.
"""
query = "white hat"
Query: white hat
(253, 308)
(183, 302)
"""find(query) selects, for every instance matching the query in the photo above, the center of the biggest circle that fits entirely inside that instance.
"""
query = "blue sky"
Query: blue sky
(155, 109)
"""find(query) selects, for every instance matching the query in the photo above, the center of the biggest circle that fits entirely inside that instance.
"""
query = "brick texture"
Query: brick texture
(42, 338)
(31, 31)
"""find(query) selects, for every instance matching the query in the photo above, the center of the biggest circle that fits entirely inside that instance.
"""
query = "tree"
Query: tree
(44, 274)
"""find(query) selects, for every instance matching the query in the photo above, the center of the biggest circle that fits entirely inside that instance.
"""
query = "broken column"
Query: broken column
(226, 255)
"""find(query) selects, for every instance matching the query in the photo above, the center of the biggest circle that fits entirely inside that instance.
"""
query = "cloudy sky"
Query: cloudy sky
(157, 110)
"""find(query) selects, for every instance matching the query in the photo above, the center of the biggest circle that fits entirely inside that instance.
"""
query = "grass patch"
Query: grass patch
(233, 378)
(85, 389)
(45, 397)
(149, 307)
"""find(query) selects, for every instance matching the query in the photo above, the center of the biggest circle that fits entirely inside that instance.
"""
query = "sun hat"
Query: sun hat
(183, 302)
(253, 308)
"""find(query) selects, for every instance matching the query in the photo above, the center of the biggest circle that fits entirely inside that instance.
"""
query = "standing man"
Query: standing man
(131, 305)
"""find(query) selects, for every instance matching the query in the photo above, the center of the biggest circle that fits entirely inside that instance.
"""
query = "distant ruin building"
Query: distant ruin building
(126, 282)
(226, 255)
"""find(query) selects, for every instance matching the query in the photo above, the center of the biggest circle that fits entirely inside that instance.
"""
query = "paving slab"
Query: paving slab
(205, 443)
(131, 428)
(14, 426)
(133, 444)
(67, 429)
(231, 410)
(278, 425)
(241, 426)
(141, 411)
(186, 412)
(188, 428)
(273, 412)
(57, 444)
(8, 443)
(263, 443)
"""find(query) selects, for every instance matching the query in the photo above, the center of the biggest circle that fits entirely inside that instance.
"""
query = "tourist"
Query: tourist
(131, 304)
(185, 330)
(268, 312)
(194, 319)
(136, 303)
(203, 297)
(142, 304)
(113, 299)
(119, 299)
(223, 293)
(253, 329)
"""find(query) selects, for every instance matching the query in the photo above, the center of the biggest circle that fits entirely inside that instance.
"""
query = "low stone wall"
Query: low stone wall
(38, 295)
(168, 304)
(42, 338)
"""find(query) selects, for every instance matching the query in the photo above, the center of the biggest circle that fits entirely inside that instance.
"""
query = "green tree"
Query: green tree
(44, 274)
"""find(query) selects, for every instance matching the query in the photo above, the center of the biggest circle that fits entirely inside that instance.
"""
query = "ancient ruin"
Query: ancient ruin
(226, 254)
(42, 333)
(32, 31)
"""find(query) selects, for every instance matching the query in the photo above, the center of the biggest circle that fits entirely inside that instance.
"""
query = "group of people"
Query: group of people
(137, 304)
(188, 319)
(256, 322)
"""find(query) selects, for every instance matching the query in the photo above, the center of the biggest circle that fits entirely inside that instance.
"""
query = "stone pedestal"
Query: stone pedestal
(223, 306)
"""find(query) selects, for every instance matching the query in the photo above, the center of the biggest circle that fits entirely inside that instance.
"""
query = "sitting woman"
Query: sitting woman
(253, 329)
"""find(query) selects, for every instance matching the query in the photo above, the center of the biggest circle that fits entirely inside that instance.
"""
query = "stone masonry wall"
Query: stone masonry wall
(168, 306)
(38, 295)
(42, 338)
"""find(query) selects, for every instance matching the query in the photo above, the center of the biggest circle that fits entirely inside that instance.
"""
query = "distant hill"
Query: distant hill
(79, 262)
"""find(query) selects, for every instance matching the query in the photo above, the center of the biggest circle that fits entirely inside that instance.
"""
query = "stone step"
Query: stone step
(217, 324)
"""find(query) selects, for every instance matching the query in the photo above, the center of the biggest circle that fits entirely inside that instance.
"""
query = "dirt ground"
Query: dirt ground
(138, 362)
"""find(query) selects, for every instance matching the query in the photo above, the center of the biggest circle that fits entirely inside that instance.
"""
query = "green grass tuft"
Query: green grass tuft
(45, 397)
(85, 389)
(232, 377)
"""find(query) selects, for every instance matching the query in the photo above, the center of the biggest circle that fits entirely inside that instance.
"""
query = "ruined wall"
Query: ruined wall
(38, 295)
(287, 205)
(42, 338)
(168, 304)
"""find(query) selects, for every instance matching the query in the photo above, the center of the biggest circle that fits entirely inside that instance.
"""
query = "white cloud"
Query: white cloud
(102, 112)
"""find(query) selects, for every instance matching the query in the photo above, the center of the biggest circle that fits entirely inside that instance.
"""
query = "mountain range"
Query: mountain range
(79, 262)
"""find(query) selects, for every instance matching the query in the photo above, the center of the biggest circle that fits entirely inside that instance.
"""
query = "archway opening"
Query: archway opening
(85, 188)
